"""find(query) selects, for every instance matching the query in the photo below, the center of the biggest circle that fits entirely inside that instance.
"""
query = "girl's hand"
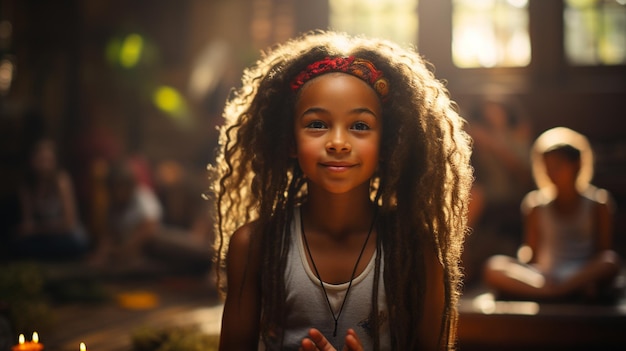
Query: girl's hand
(318, 342)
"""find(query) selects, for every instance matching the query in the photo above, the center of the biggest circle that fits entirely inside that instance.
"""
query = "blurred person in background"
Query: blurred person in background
(187, 229)
(568, 229)
(132, 219)
(501, 151)
(136, 235)
(49, 227)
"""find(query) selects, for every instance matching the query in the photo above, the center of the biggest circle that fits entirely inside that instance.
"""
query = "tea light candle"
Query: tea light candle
(82, 347)
(24, 345)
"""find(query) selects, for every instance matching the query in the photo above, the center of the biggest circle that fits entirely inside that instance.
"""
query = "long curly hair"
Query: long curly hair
(422, 187)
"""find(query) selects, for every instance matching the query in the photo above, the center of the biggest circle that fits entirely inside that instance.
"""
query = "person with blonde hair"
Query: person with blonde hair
(568, 228)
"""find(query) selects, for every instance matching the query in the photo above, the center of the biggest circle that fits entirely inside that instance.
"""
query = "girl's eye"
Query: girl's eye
(361, 126)
(316, 125)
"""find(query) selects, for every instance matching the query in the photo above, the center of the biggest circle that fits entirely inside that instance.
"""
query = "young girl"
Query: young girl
(50, 226)
(344, 175)
(568, 227)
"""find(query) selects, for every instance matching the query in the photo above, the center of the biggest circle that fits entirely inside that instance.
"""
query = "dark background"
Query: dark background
(66, 87)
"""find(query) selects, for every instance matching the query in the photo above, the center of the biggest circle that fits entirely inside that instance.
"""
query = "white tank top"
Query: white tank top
(567, 241)
(308, 308)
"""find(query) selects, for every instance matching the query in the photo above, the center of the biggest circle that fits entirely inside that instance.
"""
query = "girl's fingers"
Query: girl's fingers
(307, 345)
(352, 341)
(320, 340)
(316, 342)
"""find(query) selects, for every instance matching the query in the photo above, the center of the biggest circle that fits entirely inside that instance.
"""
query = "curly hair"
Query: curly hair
(422, 190)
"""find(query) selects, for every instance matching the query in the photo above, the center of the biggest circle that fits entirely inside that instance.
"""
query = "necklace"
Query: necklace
(317, 273)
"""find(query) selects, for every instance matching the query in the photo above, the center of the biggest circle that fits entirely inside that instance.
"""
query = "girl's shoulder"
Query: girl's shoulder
(243, 233)
(598, 195)
(601, 198)
(241, 242)
(534, 200)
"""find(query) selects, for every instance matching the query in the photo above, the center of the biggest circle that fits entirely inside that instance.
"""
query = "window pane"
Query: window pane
(595, 32)
(490, 33)
(390, 19)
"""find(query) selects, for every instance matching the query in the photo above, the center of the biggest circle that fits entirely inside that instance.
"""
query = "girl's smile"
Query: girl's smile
(337, 166)
(337, 132)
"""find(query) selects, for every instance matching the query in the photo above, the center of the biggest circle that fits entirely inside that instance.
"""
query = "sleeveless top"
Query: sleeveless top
(307, 307)
(47, 209)
(567, 241)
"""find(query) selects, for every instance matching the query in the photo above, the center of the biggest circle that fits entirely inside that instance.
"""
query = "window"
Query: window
(395, 20)
(595, 32)
(490, 33)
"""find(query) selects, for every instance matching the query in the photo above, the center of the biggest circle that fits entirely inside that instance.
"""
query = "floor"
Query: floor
(108, 312)
(129, 304)
(155, 303)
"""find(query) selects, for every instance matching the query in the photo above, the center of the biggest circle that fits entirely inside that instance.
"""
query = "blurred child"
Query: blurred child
(568, 228)
(133, 218)
(500, 131)
(135, 236)
(50, 227)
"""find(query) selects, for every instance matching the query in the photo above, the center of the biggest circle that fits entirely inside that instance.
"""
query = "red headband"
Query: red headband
(357, 67)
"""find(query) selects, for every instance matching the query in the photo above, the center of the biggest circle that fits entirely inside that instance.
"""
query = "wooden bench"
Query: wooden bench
(486, 323)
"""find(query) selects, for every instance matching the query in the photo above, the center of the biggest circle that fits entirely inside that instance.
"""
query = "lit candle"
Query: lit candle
(83, 347)
(20, 344)
(24, 345)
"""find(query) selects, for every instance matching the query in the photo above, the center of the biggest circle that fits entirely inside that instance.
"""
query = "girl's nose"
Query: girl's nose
(338, 143)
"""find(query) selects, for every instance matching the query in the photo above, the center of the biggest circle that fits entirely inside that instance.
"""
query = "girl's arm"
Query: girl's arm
(66, 192)
(27, 224)
(242, 309)
(532, 233)
(604, 227)
(434, 300)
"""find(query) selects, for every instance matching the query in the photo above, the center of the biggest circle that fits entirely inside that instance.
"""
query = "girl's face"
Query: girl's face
(496, 116)
(44, 157)
(562, 172)
(338, 129)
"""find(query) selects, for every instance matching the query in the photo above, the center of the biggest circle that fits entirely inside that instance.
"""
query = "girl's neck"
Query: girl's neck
(567, 193)
(566, 201)
(339, 214)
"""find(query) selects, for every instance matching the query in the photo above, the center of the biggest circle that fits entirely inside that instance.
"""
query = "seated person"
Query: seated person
(501, 134)
(568, 229)
(186, 231)
(135, 234)
(49, 227)
(133, 218)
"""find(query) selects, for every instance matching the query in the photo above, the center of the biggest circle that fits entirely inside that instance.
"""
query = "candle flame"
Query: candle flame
(35, 337)
(20, 339)
(83, 347)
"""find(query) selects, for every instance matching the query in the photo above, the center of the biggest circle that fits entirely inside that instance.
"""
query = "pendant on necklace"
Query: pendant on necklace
(306, 244)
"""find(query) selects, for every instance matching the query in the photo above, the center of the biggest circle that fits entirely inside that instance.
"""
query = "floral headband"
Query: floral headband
(357, 67)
